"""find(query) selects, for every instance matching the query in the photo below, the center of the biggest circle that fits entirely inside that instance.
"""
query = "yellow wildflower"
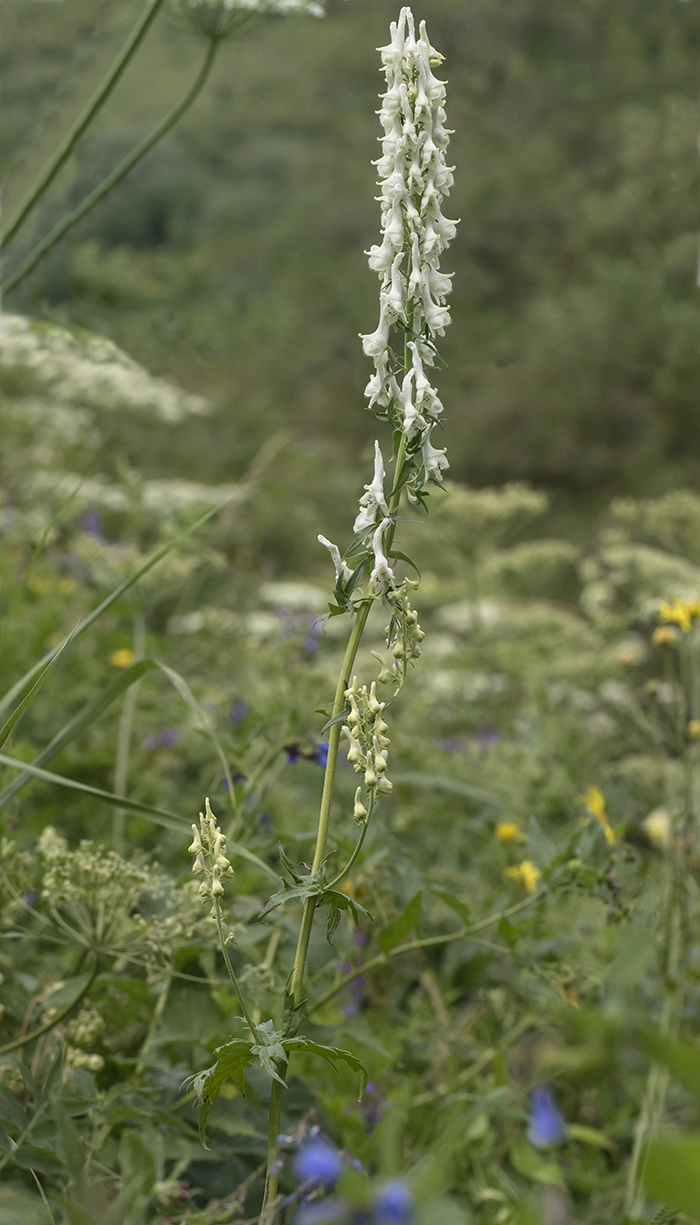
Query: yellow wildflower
(595, 803)
(507, 831)
(123, 658)
(66, 586)
(664, 636)
(40, 586)
(680, 612)
(693, 729)
(527, 873)
(657, 827)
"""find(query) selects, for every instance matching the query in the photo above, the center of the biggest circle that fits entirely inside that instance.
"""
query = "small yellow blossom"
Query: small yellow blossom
(66, 586)
(680, 612)
(664, 636)
(693, 729)
(40, 586)
(595, 803)
(123, 658)
(657, 827)
(507, 831)
(525, 872)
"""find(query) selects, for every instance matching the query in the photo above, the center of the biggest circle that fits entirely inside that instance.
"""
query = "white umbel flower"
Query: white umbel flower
(414, 178)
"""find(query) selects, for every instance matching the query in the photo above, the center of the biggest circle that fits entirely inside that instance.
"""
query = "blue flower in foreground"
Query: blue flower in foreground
(545, 1123)
(318, 1162)
(394, 1204)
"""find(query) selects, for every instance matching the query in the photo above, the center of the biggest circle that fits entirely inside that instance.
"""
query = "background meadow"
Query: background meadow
(195, 341)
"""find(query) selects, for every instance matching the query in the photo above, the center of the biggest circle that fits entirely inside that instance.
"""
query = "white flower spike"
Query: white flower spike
(414, 178)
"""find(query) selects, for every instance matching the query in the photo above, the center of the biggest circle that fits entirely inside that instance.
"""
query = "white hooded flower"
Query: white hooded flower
(373, 500)
(382, 575)
(342, 571)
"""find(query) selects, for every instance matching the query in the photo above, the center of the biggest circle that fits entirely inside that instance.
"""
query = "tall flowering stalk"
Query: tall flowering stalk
(414, 178)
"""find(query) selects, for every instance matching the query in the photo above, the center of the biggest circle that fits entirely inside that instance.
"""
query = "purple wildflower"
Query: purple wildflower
(91, 522)
(318, 1162)
(545, 1123)
(372, 1107)
(238, 712)
(394, 1204)
(293, 753)
(163, 739)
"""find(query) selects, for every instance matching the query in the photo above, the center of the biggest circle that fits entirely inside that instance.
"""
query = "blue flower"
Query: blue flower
(318, 1162)
(393, 1205)
(238, 711)
(321, 754)
(545, 1123)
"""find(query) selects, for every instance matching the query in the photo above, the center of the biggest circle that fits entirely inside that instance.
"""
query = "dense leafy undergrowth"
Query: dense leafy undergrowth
(523, 939)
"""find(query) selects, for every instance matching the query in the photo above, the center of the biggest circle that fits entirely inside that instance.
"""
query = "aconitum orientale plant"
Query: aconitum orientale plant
(414, 178)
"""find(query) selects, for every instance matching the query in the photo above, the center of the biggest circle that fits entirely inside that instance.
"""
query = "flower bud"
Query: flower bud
(384, 786)
(199, 866)
(359, 811)
(370, 777)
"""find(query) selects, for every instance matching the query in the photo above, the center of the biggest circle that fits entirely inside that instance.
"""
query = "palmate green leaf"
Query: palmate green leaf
(286, 894)
(158, 815)
(270, 1050)
(233, 1058)
(339, 902)
(332, 1055)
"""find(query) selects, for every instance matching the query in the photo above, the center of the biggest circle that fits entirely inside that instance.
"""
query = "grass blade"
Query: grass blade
(159, 816)
(91, 711)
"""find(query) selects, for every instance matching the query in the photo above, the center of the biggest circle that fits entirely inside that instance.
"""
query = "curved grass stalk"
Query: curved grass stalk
(81, 124)
(428, 942)
(117, 174)
(55, 1020)
(126, 720)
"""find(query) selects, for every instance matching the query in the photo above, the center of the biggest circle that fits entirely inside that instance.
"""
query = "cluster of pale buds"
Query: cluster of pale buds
(210, 863)
(365, 732)
(403, 636)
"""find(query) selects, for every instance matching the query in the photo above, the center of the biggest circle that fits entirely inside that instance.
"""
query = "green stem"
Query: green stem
(67, 145)
(231, 972)
(352, 860)
(55, 1020)
(429, 942)
(117, 174)
(327, 796)
(155, 1022)
(657, 1081)
(307, 917)
(126, 721)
